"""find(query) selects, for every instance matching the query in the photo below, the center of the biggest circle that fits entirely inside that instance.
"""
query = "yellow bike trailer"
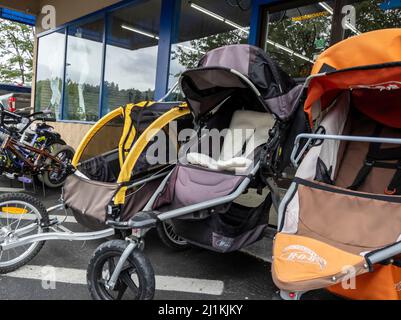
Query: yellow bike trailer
(111, 163)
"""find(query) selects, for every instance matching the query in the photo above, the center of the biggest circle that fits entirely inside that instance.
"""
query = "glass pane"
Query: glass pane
(372, 15)
(131, 54)
(205, 25)
(83, 71)
(296, 36)
(49, 72)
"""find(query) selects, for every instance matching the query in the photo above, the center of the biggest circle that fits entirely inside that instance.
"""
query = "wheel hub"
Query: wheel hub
(6, 234)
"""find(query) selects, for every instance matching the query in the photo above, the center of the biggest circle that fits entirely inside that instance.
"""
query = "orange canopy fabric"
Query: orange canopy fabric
(375, 47)
(370, 61)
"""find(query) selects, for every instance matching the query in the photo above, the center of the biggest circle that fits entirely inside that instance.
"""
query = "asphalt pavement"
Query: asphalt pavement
(196, 274)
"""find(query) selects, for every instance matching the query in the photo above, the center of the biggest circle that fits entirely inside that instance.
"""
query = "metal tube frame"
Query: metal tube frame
(313, 136)
(64, 233)
(124, 256)
(379, 255)
(198, 206)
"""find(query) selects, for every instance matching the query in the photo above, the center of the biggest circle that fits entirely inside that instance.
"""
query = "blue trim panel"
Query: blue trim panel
(64, 86)
(256, 19)
(17, 16)
(101, 91)
(169, 18)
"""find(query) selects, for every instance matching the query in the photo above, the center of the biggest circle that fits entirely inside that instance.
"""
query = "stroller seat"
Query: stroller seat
(248, 130)
(330, 224)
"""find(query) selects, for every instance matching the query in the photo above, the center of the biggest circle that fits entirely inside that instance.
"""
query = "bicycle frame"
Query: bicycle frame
(10, 144)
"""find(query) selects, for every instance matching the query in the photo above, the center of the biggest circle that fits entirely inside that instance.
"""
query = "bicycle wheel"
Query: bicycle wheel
(52, 148)
(56, 176)
(21, 215)
(136, 280)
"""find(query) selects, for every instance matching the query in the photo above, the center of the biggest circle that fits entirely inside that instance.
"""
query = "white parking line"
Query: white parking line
(78, 276)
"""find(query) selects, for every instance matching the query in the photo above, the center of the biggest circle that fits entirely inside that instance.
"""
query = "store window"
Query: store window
(205, 25)
(131, 54)
(371, 15)
(49, 72)
(294, 37)
(83, 71)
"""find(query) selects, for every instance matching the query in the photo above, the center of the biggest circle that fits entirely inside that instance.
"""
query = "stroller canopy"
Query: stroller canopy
(370, 66)
(239, 69)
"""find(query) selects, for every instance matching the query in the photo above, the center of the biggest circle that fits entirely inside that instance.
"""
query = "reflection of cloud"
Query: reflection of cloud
(84, 60)
(127, 68)
(50, 57)
(131, 68)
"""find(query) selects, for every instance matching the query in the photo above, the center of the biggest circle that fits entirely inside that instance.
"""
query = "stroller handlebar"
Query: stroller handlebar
(311, 137)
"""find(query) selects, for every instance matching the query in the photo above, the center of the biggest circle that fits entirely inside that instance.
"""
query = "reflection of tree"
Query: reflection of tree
(189, 57)
(369, 17)
(118, 97)
(44, 95)
(113, 98)
(301, 37)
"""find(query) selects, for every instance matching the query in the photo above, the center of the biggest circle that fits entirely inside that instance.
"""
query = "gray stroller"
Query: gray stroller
(241, 102)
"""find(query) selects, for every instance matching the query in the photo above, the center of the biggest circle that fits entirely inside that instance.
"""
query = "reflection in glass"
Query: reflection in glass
(83, 71)
(205, 25)
(49, 72)
(131, 55)
(374, 15)
(295, 37)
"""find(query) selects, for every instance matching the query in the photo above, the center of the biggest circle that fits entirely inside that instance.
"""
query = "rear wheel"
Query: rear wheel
(56, 174)
(136, 280)
(167, 235)
(52, 148)
(21, 215)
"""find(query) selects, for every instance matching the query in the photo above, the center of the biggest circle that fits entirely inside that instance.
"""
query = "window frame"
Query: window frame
(99, 14)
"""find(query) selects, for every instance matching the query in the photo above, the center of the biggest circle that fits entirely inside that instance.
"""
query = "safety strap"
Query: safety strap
(375, 158)
(368, 163)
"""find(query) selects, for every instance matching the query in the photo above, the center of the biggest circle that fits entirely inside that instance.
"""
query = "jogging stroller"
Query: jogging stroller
(340, 221)
(236, 96)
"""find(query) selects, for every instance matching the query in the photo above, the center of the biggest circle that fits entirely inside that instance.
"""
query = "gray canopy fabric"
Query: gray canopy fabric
(217, 78)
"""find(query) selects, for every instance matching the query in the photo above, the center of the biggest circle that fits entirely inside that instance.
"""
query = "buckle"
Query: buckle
(369, 163)
(390, 192)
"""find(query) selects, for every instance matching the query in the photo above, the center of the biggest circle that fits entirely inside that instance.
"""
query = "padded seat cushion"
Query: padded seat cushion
(248, 130)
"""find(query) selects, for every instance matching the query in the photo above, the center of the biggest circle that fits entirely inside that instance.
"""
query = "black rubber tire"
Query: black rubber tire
(137, 259)
(45, 177)
(45, 219)
(162, 233)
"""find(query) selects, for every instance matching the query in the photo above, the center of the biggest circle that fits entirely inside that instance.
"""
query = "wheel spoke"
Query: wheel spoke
(121, 290)
(126, 278)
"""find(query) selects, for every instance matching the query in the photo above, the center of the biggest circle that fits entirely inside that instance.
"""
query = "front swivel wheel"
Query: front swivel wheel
(136, 280)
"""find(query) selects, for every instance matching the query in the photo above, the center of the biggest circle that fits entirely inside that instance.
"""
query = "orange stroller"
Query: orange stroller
(340, 220)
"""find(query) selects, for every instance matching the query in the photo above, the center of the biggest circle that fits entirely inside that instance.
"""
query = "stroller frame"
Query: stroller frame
(61, 232)
(143, 222)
